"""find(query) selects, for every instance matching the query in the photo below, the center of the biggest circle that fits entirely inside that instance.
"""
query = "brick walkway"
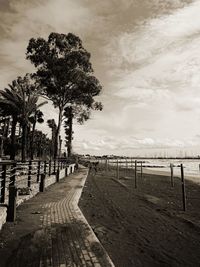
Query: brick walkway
(63, 237)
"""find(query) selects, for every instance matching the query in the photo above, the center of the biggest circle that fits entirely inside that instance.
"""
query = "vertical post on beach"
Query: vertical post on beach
(172, 174)
(106, 163)
(117, 169)
(141, 169)
(119, 166)
(135, 173)
(183, 188)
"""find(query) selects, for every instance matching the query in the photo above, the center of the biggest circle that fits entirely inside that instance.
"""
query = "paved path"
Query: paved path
(52, 231)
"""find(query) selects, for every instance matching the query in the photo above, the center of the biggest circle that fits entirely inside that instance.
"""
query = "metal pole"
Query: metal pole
(172, 174)
(135, 173)
(13, 172)
(183, 188)
(42, 182)
(58, 166)
(126, 169)
(38, 171)
(12, 203)
(54, 168)
(49, 167)
(106, 165)
(117, 169)
(45, 167)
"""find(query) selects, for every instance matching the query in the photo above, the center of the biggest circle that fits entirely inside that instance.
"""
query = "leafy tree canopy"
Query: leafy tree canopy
(64, 69)
(20, 99)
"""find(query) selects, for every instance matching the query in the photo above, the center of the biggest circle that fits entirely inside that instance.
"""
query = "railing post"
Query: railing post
(13, 174)
(3, 184)
(57, 175)
(49, 167)
(66, 170)
(42, 182)
(11, 211)
(54, 167)
(29, 172)
(45, 167)
(38, 171)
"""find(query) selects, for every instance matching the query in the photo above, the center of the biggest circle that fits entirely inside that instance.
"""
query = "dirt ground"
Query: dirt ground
(143, 226)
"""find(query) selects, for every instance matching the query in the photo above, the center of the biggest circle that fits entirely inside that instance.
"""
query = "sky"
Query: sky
(146, 56)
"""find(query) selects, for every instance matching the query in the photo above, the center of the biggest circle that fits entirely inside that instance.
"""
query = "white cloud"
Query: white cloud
(149, 40)
(146, 54)
(130, 145)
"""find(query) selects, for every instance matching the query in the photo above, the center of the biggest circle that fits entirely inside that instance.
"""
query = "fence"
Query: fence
(21, 180)
(170, 190)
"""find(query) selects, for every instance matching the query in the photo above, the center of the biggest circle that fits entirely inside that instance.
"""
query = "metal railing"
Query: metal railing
(25, 174)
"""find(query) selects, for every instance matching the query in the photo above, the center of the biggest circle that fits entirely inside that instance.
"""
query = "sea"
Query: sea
(191, 166)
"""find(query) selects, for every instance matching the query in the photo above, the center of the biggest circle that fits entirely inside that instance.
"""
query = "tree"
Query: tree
(79, 112)
(52, 125)
(41, 145)
(64, 72)
(36, 117)
(20, 102)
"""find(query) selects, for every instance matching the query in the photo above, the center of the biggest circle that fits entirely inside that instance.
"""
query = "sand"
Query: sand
(143, 226)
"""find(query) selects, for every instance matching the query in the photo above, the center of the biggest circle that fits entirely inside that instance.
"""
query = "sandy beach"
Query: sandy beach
(144, 226)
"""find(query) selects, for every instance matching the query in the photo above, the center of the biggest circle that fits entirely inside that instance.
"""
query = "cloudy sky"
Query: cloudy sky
(146, 56)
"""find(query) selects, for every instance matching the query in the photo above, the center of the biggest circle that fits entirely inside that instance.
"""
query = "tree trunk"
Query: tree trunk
(28, 142)
(13, 138)
(32, 140)
(2, 138)
(57, 132)
(52, 143)
(24, 139)
(69, 147)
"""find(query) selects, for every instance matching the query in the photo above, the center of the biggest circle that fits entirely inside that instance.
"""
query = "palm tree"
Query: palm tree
(36, 117)
(4, 122)
(53, 126)
(20, 102)
(8, 108)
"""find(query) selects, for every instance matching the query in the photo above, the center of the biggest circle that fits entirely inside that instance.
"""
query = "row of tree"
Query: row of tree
(64, 76)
